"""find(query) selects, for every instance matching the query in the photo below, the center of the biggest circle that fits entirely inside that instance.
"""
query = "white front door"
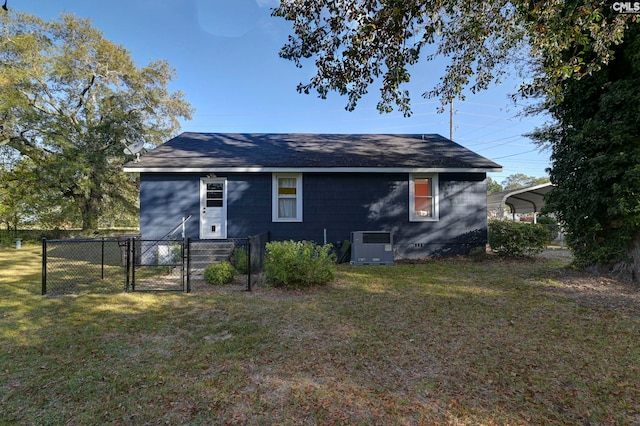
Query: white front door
(213, 208)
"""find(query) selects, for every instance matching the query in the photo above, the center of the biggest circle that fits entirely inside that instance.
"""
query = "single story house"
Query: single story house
(429, 192)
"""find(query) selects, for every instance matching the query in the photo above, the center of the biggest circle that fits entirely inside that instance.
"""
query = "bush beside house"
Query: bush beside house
(298, 263)
(219, 273)
(514, 239)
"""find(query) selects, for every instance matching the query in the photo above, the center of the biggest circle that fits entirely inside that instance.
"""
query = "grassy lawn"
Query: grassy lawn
(441, 342)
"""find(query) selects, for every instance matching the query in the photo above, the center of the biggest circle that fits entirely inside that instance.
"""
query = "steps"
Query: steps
(204, 253)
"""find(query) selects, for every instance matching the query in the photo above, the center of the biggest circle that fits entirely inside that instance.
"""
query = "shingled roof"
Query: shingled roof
(204, 152)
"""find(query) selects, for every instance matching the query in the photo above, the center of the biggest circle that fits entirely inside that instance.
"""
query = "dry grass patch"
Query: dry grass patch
(440, 342)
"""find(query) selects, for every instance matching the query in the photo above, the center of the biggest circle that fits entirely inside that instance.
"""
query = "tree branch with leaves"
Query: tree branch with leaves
(70, 99)
(357, 44)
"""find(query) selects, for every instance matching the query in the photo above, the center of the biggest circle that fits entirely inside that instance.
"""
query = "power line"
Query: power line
(513, 155)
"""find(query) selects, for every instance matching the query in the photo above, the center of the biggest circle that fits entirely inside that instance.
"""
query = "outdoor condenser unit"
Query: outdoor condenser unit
(371, 248)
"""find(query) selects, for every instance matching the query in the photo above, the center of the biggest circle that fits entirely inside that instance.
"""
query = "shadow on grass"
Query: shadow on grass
(443, 342)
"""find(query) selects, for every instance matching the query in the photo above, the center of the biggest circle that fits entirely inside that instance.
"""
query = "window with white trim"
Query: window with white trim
(287, 197)
(423, 198)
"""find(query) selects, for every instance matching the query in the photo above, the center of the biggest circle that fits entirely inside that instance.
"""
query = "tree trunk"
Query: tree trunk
(630, 271)
(90, 211)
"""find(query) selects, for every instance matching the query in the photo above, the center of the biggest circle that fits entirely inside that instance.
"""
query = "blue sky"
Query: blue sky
(225, 53)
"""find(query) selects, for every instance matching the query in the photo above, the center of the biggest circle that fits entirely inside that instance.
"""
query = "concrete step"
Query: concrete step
(205, 253)
(197, 245)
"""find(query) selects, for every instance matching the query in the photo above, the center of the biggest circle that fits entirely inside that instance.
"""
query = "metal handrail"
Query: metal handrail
(171, 233)
(174, 230)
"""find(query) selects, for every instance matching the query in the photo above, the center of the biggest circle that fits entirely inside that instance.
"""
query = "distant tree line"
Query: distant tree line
(515, 181)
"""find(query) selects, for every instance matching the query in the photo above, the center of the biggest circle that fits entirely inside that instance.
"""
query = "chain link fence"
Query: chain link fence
(157, 265)
(84, 266)
(112, 265)
(129, 263)
(245, 254)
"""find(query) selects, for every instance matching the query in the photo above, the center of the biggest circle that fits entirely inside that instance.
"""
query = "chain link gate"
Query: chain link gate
(156, 265)
(129, 263)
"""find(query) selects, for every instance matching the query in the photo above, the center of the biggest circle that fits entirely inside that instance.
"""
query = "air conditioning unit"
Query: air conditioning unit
(371, 248)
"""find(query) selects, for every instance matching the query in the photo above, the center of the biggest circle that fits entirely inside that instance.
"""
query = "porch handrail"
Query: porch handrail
(169, 234)
(174, 230)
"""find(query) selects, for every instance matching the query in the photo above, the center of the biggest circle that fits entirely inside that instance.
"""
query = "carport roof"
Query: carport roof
(521, 200)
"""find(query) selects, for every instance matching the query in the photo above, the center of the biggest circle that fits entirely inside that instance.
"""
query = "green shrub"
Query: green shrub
(240, 260)
(478, 254)
(6, 241)
(298, 264)
(219, 273)
(513, 239)
(551, 224)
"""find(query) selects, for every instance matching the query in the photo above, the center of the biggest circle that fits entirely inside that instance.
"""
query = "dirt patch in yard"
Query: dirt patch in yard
(558, 254)
(592, 290)
(597, 292)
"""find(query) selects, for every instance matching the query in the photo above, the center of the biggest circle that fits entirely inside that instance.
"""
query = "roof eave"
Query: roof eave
(139, 169)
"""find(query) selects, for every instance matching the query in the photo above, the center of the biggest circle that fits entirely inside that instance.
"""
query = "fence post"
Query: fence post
(102, 260)
(127, 250)
(132, 255)
(44, 266)
(188, 255)
(248, 264)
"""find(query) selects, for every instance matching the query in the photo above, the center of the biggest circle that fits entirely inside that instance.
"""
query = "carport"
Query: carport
(521, 200)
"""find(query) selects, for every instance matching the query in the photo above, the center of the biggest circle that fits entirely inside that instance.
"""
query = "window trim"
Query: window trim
(412, 200)
(274, 197)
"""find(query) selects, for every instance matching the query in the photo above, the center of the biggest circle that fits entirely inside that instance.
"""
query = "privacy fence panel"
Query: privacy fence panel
(83, 266)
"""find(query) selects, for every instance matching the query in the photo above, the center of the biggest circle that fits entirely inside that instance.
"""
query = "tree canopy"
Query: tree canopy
(595, 154)
(514, 181)
(493, 186)
(70, 100)
(580, 57)
(359, 43)
(520, 180)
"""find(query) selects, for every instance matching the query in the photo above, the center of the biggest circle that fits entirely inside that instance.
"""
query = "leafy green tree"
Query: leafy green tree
(11, 213)
(493, 186)
(520, 180)
(355, 44)
(24, 202)
(573, 58)
(70, 100)
(596, 162)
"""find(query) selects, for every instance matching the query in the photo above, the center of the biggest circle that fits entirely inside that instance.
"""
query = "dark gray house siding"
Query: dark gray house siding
(333, 203)
(354, 182)
(165, 200)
